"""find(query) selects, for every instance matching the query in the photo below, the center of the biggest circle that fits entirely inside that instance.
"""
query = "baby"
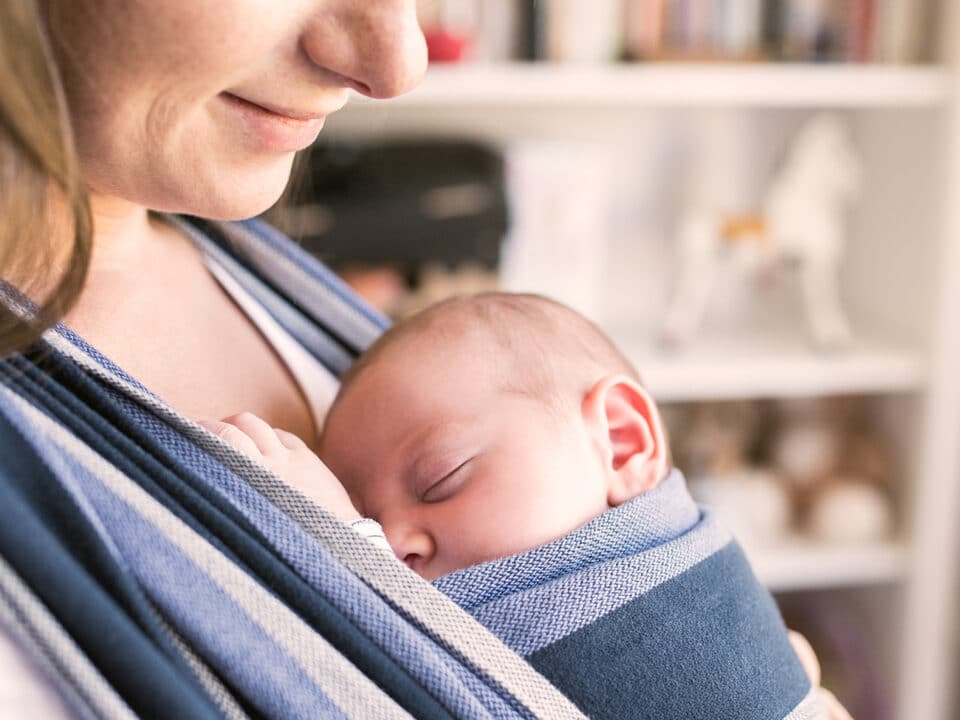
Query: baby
(489, 425)
(512, 456)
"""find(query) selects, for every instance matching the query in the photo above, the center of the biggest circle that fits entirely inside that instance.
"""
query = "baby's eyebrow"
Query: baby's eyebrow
(428, 449)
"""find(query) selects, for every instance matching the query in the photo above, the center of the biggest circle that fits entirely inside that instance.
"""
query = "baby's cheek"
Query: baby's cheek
(513, 529)
(361, 506)
(356, 497)
(561, 512)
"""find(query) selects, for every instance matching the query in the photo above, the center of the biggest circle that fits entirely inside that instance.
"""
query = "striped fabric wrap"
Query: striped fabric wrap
(151, 570)
(648, 611)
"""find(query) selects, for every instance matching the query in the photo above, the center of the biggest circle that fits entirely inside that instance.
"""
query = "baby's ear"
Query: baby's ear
(625, 423)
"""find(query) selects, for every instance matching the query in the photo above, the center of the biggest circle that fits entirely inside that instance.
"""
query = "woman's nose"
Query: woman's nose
(376, 46)
(413, 545)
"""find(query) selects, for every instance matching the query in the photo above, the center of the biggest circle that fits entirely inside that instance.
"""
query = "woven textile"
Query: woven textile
(170, 576)
(649, 611)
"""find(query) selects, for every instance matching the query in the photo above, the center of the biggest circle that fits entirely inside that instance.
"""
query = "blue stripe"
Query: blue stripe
(648, 521)
(315, 269)
(707, 645)
(534, 618)
(148, 451)
(216, 628)
(50, 544)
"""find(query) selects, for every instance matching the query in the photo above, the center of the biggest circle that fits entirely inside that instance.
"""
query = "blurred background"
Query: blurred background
(757, 199)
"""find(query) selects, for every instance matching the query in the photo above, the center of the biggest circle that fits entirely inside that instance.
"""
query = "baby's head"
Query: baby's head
(488, 425)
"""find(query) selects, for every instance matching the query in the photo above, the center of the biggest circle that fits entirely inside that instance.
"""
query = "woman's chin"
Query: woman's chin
(239, 206)
(218, 186)
(251, 192)
(237, 193)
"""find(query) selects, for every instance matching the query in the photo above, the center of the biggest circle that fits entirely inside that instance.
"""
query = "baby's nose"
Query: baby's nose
(414, 546)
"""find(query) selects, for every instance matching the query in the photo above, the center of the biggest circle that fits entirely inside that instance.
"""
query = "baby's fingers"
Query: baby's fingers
(264, 436)
(289, 440)
(232, 435)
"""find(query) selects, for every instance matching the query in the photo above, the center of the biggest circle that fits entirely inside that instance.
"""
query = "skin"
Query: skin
(173, 142)
(446, 493)
(459, 471)
(145, 84)
(150, 88)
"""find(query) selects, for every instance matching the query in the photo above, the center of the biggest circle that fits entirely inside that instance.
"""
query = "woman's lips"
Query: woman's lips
(275, 130)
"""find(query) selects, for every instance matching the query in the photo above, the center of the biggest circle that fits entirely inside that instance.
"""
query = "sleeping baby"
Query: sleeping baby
(512, 456)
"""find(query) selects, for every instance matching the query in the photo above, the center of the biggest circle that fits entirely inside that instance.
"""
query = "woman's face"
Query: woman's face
(197, 106)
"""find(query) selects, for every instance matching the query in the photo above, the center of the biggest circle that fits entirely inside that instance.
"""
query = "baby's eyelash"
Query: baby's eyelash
(446, 479)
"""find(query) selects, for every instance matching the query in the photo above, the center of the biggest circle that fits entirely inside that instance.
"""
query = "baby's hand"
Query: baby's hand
(288, 457)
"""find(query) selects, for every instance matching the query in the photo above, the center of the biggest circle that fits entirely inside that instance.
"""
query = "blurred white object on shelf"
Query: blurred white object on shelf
(802, 219)
(582, 30)
(753, 503)
(559, 198)
(850, 511)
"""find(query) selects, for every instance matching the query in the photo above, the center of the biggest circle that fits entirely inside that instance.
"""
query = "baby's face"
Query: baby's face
(457, 469)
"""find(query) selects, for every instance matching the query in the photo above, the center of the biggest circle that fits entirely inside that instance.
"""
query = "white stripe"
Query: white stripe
(317, 384)
(29, 618)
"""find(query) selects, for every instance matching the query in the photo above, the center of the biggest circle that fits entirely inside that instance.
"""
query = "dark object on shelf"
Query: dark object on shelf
(532, 42)
(400, 204)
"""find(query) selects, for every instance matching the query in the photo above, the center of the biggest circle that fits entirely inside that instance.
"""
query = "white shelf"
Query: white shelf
(618, 85)
(801, 564)
(761, 367)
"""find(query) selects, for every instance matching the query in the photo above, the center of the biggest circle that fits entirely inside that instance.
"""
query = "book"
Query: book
(859, 31)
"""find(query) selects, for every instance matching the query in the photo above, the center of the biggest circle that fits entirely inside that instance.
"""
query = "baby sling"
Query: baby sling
(650, 612)
(152, 571)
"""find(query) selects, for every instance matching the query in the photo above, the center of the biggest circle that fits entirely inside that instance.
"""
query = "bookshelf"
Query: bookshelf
(799, 564)
(771, 365)
(902, 282)
(519, 85)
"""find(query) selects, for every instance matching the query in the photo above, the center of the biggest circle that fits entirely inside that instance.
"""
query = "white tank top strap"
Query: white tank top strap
(316, 382)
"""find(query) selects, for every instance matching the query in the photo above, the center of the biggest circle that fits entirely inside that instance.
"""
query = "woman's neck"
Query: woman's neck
(117, 222)
(123, 233)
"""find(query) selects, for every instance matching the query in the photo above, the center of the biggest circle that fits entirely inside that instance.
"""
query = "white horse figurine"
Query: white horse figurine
(802, 219)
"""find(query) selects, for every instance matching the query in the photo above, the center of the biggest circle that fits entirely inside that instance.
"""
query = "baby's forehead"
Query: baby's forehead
(456, 347)
(521, 343)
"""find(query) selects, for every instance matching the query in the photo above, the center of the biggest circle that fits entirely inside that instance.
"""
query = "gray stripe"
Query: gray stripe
(80, 683)
(346, 686)
(210, 682)
(315, 297)
(312, 338)
(215, 688)
(810, 708)
(442, 619)
(448, 623)
(530, 620)
(445, 621)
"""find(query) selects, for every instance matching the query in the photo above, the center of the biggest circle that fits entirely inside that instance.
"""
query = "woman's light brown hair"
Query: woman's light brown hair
(45, 224)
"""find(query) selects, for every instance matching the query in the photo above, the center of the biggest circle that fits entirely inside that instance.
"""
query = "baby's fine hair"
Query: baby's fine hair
(550, 352)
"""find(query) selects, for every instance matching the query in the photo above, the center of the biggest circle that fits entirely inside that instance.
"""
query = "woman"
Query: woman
(145, 567)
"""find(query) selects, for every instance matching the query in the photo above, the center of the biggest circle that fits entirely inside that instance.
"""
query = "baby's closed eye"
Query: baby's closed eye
(447, 485)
